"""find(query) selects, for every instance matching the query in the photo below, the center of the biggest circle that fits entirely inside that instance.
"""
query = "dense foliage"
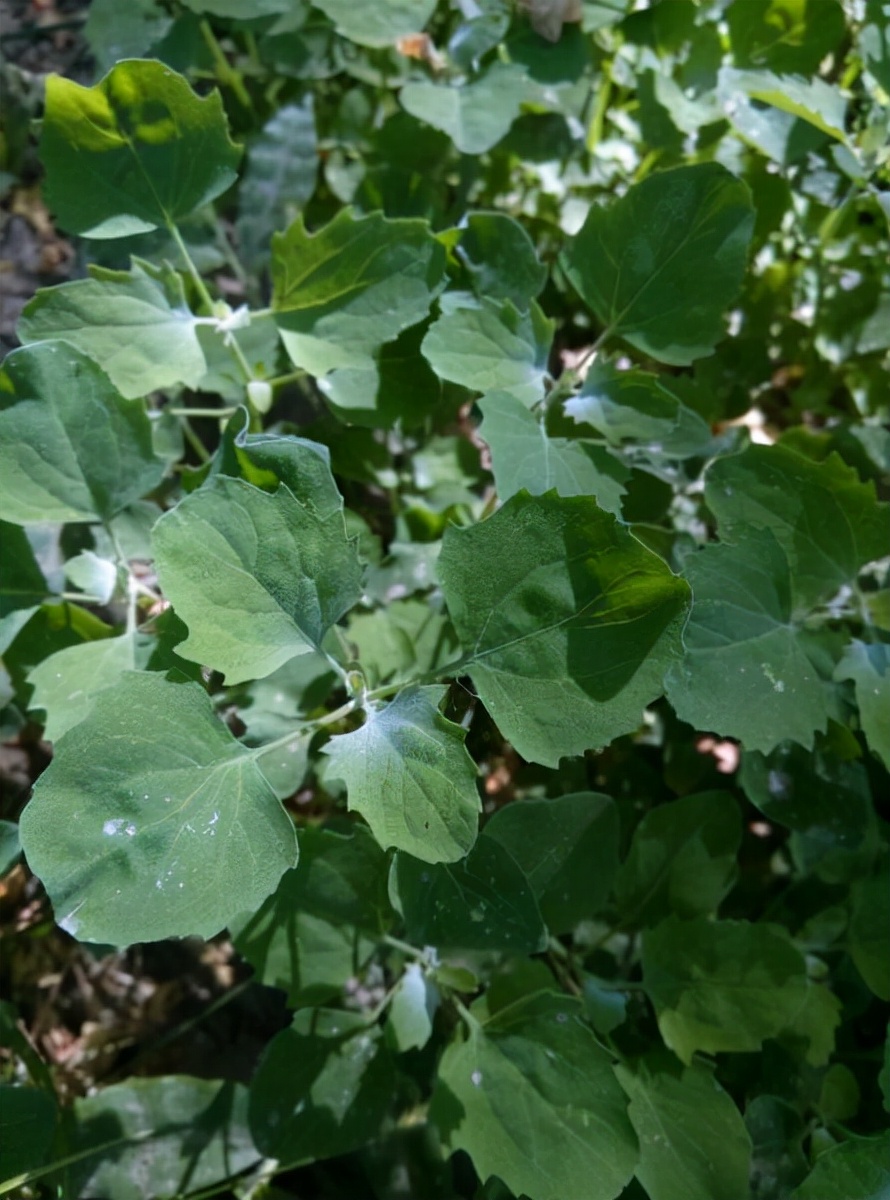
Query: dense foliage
(444, 546)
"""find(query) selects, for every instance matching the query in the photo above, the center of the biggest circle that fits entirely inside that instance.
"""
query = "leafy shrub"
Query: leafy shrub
(526, 506)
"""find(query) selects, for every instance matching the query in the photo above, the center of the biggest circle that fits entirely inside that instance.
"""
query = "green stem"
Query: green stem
(465, 1015)
(225, 72)
(201, 412)
(200, 285)
(405, 947)
(290, 377)
(244, 365)
(319, 723)
(194, 441)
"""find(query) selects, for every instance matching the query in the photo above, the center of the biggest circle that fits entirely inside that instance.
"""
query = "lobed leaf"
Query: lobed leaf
(407, 772)
(136, 152)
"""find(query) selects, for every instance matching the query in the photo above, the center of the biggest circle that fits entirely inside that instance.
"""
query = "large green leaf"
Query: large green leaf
(323, 1087)
(474, 115)
(855, 1170)
(71, 448)
(493, 347)
(66, 684)
(152, 821)
(682, 859)
(825, 518)
(532, 1099)
(567, 846)
(483, 902)
(185, 1134)
(136, 326)
(342, 292)
(868, 665)
(282, 165)
(22, 585)
(137, 151)
(379, 24)
(315, 932)
(693, 1141)
(788, 36)
(660, 265)
(746, 672)
(407, 772)
(722, 985)
(568, 623)
(523, 455)
(257, 577)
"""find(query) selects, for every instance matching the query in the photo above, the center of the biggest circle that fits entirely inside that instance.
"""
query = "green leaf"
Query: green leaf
(138, 328)
(567, 848)
(411, 1012)
(868, 665)
(313, 933)
(22, 585)
(632, 407)
(682, 859)
(500, 258)
(746, 673)
(824, 517)
(856, 1170)
(777, 1131)
(282, 165)
(267, 459)
(532, 1099)
(483, 902)
(787, 36)
(67, 683)
(812, 100)
(870, 931)
(115, 31)
(721, 985)
(71, 448)
(474, 115)
(693, 1141)
(826, 801)
(660, 264)
(567, 621)
(257, 577)
(182, 833)
(874, 40)
(342, 292)
(184, 1134)
(27, 1125)
(136, 152)
(322, 1088)
(396, 386)
(524, 456)
(378, 24)
(407, 772)
(239, 10)
(492, 348)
